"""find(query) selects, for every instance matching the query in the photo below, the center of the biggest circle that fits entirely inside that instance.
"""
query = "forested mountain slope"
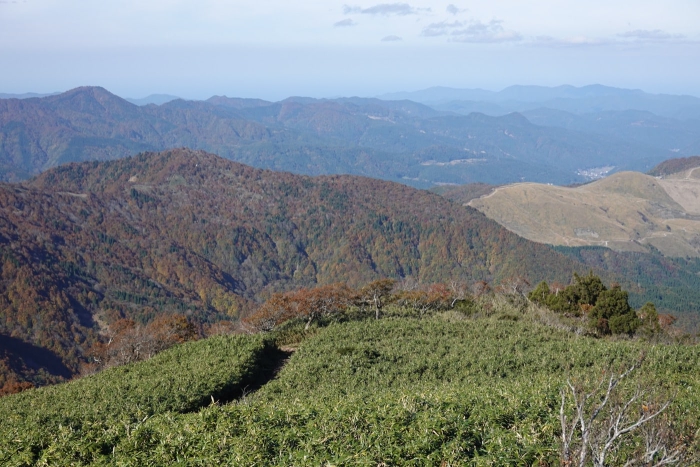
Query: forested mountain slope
(184, 231)
(674, 166)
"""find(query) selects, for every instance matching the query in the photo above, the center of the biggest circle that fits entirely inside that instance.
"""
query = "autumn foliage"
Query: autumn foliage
(131, 342)
(313, 304)
(14, 387)
(307, 304)
(83, 246)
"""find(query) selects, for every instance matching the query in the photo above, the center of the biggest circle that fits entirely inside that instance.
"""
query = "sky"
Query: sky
(273, 49)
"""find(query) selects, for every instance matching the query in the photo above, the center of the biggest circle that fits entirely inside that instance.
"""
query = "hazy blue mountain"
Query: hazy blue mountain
(466, 107)
(157, 99)
(440, 94)
(237, 102)
(693, 148)
(579, 100)
(26, 95)
(678, 136)
(401, 141)
(518, 93)
(544, 93)
(679, 107)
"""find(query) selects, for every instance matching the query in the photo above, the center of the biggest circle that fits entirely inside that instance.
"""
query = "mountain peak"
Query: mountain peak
(91, 99)
(98, 92)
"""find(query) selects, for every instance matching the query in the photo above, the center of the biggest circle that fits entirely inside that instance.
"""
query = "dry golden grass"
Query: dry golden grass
(627, 211)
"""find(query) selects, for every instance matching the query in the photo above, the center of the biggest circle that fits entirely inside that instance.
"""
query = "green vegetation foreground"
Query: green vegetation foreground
(448, 389)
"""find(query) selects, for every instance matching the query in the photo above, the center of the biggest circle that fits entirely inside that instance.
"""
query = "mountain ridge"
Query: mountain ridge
(183, 231)
(397, 140)
(569, 98)
(675, 166)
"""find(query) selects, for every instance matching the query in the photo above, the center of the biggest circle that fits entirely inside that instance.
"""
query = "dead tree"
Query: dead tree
(460, 291)
(604, 419)
(376, 293)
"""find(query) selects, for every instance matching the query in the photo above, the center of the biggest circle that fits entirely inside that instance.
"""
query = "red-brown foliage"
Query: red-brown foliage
(666, 321)
(183, 231)
(14, 387)
(130, 342)
(308, 304)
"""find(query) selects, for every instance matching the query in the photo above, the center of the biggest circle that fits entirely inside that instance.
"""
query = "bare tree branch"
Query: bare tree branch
(604, 419)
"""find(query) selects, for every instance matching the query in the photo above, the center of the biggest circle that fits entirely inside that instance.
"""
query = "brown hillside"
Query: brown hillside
(674, 166)
(185, 231)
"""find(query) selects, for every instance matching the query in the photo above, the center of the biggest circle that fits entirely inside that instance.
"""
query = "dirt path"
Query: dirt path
(497, 189)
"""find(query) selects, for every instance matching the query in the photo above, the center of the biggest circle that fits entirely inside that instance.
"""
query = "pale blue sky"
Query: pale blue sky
(273, 48)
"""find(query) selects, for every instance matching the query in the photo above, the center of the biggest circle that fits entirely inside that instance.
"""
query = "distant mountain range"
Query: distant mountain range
(662, 121)
(577, 100)
(26, 95)
(396, 140)
(157, 99)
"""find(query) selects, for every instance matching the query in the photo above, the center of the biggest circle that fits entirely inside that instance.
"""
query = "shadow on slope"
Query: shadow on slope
(22, 356)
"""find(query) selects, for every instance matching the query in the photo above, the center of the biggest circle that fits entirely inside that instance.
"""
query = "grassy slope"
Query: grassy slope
(78, 422)
(627, 211)
(400, 391)
(632, 212)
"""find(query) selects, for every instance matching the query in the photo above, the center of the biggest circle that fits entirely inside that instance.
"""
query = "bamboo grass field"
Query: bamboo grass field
(481, 387)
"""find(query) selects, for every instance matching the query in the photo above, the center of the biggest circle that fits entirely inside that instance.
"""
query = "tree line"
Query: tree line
(602, 310)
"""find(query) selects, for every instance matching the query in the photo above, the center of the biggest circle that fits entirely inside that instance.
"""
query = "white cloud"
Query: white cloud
(474, 31)
(441, 29)
(651, 35)
(391, 39)
(478, 32)
(454, 10)
(639, 36)
(574, 41)
(345, 23)
(385, 9)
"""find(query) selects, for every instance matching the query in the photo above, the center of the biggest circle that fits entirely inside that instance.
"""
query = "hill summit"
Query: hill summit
(626, 211)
